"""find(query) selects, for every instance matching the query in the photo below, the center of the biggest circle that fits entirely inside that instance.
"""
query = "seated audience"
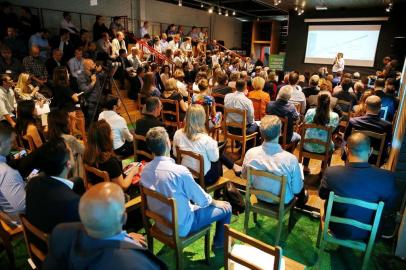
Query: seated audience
(7, 100)
(25, 90)
(99, 27)
(324, 116)
(75, 64)
(193, 137)
(67, 23)
(361, 108)
(149, 88)
(64, 44)
(26, 123)
(175, 181)
(99, 153)
(65, 98)
(297, 94)
(50, 196)
(122, 138)
(124, 70)
(345, 95)
(270, 157)
(222, 87)
(372, 122)
(99, 241)
(165, 74)
(8, 63)
(12, 186)
(390, 103)
(203, 98)
(118, 43)
(135, 58)
(54, 62)
(358, 180)
(116, 26)
(172, 92)
(282, 108)
(258, 94)
(58, 127)
(103, 46)
(313, 88)
(36, 67)
(179, 76)
(15, 42)
(40, 40)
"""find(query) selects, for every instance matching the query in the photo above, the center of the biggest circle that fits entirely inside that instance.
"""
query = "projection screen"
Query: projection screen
(357, 42)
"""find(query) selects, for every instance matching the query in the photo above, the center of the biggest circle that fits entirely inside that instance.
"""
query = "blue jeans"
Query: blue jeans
(205, 216)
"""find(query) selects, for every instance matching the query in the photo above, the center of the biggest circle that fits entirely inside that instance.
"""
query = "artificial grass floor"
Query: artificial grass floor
(299, 245)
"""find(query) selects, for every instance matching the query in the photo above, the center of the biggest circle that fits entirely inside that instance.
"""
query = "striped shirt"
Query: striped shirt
(12, 189)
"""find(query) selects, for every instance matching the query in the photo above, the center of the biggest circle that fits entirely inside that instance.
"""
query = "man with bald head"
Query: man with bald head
(99, 242)
(282, 108)
(358, 180)
(372, 122)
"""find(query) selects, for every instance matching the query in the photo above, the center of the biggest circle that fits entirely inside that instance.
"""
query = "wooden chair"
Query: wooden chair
(324, 235)
(219, 99)
(167, 113)
(324, 157)
(346, 114)
(251, 263)
(298, 107)
(33, 237)
(141, 98)
(384, 112)
(199, 175)
(8, 233)
(288, 146)
(92, 170)
(242, 126)
(375, 136)
(139, 138)
(257, 103)
(278, 211)
(173, 241)
(214, 131)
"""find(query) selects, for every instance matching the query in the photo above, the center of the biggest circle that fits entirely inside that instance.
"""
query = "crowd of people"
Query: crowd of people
(52, 91)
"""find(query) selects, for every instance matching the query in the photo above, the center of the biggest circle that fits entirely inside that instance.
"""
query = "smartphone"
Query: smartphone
(20, 154)
(33, 174)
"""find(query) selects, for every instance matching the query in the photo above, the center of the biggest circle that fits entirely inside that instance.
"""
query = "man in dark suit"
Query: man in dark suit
(280, 107)
(149, 119)
(358, 180)
(372, 122)
(122, 74)
(157, 78)
(50, 198)
(137, 83)
(63, 43)
(99, 242)
(54, 62)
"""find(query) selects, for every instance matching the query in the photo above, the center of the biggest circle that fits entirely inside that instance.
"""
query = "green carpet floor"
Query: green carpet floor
(298, 245)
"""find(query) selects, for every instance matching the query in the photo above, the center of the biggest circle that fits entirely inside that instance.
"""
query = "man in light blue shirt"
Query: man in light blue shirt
(40, 40)
(270, 157)
(175, 181)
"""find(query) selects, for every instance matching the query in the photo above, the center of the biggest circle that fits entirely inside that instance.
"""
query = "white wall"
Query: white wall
(222, 28)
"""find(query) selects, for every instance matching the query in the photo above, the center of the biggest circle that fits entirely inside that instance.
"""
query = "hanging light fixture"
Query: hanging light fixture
(211, 10)
(219, 11)
(226, 13)
(180, 3)
(202, 5)
(234, 13)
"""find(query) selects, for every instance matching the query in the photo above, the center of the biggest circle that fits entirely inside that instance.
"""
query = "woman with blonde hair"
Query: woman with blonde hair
(25, 90)
(260, 97)
(361, 108)
(179, 76)
(193, 137)
(172, 92)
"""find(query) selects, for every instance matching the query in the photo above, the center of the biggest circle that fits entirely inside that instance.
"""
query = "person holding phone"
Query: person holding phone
(339, 63)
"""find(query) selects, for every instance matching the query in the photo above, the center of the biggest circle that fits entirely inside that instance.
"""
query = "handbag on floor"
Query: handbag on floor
(234, 197)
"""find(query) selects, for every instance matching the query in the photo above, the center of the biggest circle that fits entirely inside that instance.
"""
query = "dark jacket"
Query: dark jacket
(282, 108)
(311, 90)
(51, 64)
(358, 181)
(142, 125)
(71, 248)
(50, 202)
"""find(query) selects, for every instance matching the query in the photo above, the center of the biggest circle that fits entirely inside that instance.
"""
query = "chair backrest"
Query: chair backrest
(377, 136)
(199, 175)
(257, 104)
(33, 237)
(304, 140)
(231, 234)
(243, 115)
(284, 131)
(384, 112)
(148, 214)
(276, 198)
(139, 138)
(167, 113)
(92, 170)
(373, 228)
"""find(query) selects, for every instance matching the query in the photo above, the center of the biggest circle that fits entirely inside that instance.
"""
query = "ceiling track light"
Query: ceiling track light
(219, 11)
(202, 5)
(234, 12)
(277, 2)
(211, 10)
(180, 3)
(389, 7)
(226, 13)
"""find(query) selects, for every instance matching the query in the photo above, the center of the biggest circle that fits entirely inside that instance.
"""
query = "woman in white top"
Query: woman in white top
(338, 64)
(193, 137)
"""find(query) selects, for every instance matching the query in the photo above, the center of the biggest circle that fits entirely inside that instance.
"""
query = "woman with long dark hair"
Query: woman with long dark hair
(26, 123)
(148, 88)
(58, 127)
(99, 154)
(321, 115)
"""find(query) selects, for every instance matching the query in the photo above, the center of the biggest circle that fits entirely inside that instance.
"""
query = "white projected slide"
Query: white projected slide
(357, 43)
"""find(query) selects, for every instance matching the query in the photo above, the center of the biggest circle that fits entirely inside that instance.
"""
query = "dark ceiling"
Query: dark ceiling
(252, 9)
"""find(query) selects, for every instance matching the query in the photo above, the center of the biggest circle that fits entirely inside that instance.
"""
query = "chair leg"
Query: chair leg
(232, 146)
(319, 236)
(367, 256)
(10, 253)
(179, 258)
(278, 232)
(246, 219)
(150, 242)
(291, 219)
(244, 147)
(321, 249)
(255, 216)
(207, 247)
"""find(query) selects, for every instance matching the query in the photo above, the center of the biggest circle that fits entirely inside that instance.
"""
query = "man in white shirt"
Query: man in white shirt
(144, 29)
(176, 181)
(122, 138)
(270, 157)
(67, 24)
(75, 64)
(186, 46)
(7, 100)
(297, 95)
(164, 43)
(118, 43)
(174, 43)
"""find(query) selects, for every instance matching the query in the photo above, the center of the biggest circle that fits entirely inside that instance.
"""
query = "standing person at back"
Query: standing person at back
(339, 63)
(358, 180)
(297, 95)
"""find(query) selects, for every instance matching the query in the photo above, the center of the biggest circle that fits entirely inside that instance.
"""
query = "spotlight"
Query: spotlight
(234, 13)
(300, 12)
(202, 5)
(388, 9)
(295, 8)
(257, 19)
(180, 3)
(226, 13)
(211, 10)
(219, 11)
